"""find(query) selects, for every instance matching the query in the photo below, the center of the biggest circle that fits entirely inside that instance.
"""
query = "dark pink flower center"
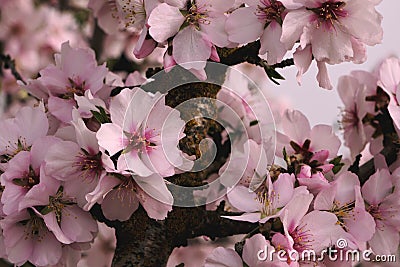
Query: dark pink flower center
(375, 212)
(140, 142)
(329, 12)
(90, 165)
(75, 88)
(302, 238)
(270, 10)
(29, 180)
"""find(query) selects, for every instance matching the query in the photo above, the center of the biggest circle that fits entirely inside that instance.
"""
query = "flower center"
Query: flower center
(13, 149)
(329, 12)
(57, 203)
(267, 203)
(34, 226)
(130, 9)
(350, 118)
(29, 180)
(138, 142)
(375, 212)
(342, 211)
(196, 15)
(270, 10)
(90, 165)
(302, 238)
(75, 88)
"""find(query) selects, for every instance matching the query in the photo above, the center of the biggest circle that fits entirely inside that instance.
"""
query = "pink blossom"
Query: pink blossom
(145, 130)
(75, 72)
(353, 90)
(332, 32)
(102, 251)
(261, 19)
(255, 160)
(127, 192)
(58, 208)
(27, 238)
(343, 198)
(389, 78)
(203, 27)
(23, 172)
(297, 129)
(18, 134)
(383, 204)
(221, 256)
(315, 230)
(79, 164)
(267, 203)
(245, 112)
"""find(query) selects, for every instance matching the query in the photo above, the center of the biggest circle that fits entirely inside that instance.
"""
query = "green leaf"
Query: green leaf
(337, 164)
(101, 115)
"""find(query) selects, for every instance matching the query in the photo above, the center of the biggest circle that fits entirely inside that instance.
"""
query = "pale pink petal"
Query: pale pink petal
(243, 199)
(154, 208)
(251, 247)
(385, 240)
(296, 126)
(377, 187)
(154, 185)
(296, 209)
(61, 160)
(32, 123)
(322, 237)
(52, 223)
(215, 31)
(363, 21)
(324, 138)
(124, 199)
(284, 188)
(77, 224)
(105, 184)
(110, 138)
(345, 183)
(293, 26)
(46, 252)
(389, 74)
(243, 26)
(324, 199)
(323, 76)
(132, 161)
(302, 60)
(223, 257)
(191, 49)
(332, 46)
(271, 44)
(61, 108)
(164, 22)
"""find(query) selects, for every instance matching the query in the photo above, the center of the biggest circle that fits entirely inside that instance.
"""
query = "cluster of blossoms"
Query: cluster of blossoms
(56, 159)
(95, 142)
(329, 31)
